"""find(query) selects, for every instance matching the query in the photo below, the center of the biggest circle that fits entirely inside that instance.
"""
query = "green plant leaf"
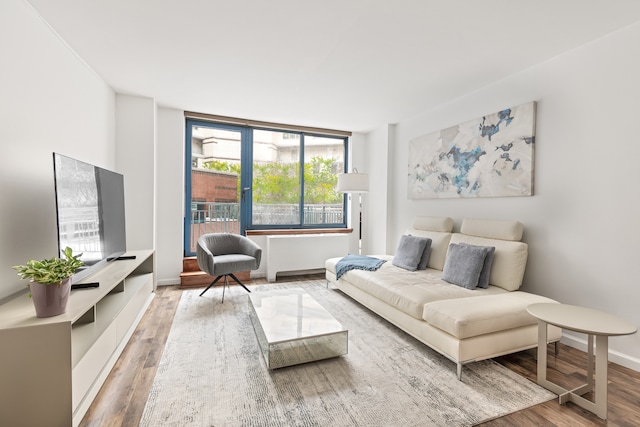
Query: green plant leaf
(50, 271)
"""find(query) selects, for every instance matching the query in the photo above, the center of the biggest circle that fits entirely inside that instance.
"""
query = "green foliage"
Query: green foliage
(220, 165)
(320, 182)
(50, 271)
(276, 183)
(280, 182)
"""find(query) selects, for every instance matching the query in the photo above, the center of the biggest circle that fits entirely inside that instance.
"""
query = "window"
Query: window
(294, 180)
(254, 177)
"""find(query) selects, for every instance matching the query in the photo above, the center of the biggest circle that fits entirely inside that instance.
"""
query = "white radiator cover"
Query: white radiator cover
(297, 252)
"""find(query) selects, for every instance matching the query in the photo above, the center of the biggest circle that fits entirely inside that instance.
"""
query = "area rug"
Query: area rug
(212, 373)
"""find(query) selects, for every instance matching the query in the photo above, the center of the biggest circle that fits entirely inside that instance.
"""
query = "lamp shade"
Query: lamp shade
(353, 182)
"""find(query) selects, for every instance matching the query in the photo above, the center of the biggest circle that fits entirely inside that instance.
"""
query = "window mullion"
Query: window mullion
(246, 179)
(301, 179)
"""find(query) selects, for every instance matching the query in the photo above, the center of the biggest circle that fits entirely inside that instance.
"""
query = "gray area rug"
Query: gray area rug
(212, 373)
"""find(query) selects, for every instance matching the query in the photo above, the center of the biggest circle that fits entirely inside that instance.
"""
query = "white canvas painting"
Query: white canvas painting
(491, 156)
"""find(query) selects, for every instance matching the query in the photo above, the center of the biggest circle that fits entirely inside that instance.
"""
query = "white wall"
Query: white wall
(136, 160)
(581, 224)
(150, 142)
(170, 195)
(51, 101)
(379, 152)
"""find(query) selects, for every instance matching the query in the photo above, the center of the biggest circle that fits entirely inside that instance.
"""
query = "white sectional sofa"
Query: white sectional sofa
(465, 325)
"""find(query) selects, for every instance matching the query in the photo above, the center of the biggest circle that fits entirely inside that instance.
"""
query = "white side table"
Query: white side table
(590, 322)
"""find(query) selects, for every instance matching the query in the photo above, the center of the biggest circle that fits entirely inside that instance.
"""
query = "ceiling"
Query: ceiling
(341, 64)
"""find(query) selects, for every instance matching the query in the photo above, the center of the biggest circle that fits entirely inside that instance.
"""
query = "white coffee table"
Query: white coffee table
(293, 328)
(590, 322)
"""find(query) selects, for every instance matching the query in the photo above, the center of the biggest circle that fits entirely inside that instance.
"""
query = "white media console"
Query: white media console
(52, 368)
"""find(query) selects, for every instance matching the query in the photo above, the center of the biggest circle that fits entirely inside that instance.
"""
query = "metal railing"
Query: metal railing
(278, 214)
(213, 217)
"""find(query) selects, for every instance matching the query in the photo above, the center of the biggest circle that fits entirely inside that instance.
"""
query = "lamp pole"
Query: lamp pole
(351, 183)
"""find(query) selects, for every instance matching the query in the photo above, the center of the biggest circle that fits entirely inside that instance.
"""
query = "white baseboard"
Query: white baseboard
(168, 282)
(614, 356)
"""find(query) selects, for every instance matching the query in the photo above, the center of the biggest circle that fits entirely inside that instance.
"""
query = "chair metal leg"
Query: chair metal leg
(212, 283)
(225, 286)
(239, 282)
(226, 283)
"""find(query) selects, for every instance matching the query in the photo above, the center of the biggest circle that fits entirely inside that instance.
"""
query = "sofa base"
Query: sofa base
(460, 351)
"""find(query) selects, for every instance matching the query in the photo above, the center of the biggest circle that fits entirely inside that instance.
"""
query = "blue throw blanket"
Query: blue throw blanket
(359, 262)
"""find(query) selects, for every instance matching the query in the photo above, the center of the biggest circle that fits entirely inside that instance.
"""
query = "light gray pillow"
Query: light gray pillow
(409, 252)
(463, 265)
(483, 280)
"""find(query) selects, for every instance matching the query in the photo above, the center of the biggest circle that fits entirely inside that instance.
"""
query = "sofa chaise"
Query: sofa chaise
(465, 324)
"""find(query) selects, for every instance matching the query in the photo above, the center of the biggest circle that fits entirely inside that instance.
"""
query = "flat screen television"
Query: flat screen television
(90, 213)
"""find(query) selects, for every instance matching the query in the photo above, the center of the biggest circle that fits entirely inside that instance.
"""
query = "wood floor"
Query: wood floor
(122, 398)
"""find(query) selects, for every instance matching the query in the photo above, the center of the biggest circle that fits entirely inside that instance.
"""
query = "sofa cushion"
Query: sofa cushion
(470, 317)
(492, 228)
(463, 265)
(433, 223)
(509, 259)
(409, 252)
(408, 291)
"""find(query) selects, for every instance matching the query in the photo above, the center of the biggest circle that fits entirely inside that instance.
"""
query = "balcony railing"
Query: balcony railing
(278, 214)
(211, 217)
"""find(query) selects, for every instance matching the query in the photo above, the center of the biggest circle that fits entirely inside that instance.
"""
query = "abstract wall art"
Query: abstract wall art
(491, 156)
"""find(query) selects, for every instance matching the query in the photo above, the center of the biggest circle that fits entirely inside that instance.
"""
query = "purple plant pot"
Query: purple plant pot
(50, 300)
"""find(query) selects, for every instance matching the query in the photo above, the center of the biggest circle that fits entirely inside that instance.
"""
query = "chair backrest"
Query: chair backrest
(223, 243)
(214, 244)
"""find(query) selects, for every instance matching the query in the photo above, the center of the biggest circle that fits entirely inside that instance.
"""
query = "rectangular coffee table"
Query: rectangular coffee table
(293, 328)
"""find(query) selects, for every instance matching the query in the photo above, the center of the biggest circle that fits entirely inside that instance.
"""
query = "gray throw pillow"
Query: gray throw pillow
(424, 260)
(409, 252)
(483, 280)
(463, 265)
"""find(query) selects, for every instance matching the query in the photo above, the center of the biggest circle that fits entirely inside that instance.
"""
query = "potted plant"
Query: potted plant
(50, 282)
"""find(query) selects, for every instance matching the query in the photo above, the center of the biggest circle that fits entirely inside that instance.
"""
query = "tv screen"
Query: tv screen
(90, 212)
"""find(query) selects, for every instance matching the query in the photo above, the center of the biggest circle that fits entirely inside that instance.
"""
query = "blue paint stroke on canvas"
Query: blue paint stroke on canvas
(491, 156)
(489, 130)
(463, 161)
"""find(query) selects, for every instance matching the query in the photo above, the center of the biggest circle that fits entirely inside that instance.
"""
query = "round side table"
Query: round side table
(594, 323)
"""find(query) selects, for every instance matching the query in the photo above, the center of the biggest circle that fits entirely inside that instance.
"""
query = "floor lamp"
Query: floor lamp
(355, 183)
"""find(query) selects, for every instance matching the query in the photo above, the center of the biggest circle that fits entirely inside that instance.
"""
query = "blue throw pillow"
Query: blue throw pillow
(463, 265)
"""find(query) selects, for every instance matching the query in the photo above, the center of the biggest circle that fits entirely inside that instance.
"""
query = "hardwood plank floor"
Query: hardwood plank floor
(122, 398)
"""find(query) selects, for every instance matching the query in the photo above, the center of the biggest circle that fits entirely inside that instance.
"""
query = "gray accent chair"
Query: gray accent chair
(222, 254)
